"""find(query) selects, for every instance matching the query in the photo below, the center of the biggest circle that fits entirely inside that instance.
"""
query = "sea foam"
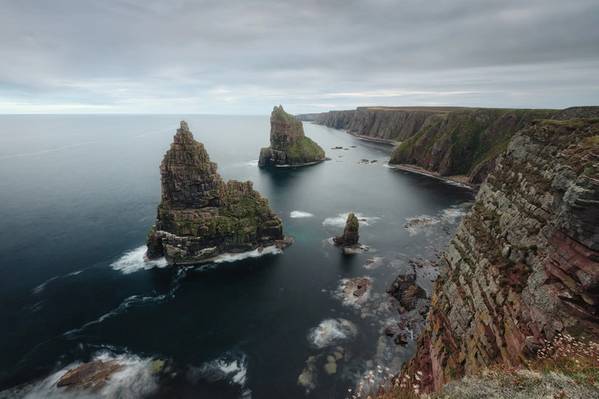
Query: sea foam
(135, 379)
(135, 260)
(234, 257)
(300, 214)
(340, 219)
(331, 331)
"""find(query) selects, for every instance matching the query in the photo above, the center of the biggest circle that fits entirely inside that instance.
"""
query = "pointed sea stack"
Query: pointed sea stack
(350, 235)
(288, 144)
(200, 216)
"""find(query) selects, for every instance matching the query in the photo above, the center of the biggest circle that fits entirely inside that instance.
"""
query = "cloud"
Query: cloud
(243, 56)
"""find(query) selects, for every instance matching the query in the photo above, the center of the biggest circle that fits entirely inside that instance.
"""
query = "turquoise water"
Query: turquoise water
(77, 197)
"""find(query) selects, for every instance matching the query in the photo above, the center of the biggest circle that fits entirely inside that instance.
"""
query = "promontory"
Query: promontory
(289, 147)
(200, 216)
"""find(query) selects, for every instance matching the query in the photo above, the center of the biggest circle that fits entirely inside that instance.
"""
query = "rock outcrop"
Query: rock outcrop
(350, 236)
(288, 144)
(201, 216)
(524, 263)
(91, 376)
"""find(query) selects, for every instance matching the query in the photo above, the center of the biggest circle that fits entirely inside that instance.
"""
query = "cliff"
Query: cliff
(465, 142)
(288, 144)
(386, 124)
(523, 266)
(201, 216)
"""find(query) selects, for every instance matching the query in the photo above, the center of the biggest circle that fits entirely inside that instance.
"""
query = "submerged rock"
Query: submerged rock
(350, 235)
(92, 375)
(200, 216)
(288, 144)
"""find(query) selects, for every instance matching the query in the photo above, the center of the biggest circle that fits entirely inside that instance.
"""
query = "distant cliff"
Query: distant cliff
(523, 266)
(384, 123)
(465, 142)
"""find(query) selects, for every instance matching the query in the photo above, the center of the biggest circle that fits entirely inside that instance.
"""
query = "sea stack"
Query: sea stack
(288, 144)
(200, 216)
(350, 235)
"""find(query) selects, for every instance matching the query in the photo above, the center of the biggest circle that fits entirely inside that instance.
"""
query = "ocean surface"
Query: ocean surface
(78, 195)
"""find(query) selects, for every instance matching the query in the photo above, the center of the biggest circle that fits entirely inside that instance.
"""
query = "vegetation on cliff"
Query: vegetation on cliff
(523, 267)
(200, 215)
(288, 144)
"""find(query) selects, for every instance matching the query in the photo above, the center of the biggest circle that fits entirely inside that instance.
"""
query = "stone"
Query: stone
(350, 236)
(288, 144)
(200, 216)
(91, 375)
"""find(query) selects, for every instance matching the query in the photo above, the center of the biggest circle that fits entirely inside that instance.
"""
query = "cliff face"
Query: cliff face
(288, 144)
(464, 142)
(524, 263)
(200, 215)
(386, 123)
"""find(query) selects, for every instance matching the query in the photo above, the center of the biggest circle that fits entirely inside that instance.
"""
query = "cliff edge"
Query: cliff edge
(523, 267)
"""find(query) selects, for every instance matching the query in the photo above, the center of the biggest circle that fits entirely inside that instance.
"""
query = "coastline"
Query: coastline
(459, 180)
(299, 165)
(377, 140)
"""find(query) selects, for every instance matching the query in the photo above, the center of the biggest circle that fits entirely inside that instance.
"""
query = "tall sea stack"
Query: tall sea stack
(201, 216)
(288, 144)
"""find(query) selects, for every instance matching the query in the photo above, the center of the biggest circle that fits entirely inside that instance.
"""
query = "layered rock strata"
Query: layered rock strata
(288, 144)
(201, 216)
(524, 263)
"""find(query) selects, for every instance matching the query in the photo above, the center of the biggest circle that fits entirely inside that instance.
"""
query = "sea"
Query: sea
(78, 195)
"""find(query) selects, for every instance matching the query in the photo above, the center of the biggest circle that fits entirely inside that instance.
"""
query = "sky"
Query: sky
(245, 56)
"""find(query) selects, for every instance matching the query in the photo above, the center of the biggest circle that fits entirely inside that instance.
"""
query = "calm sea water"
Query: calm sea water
(77, 197)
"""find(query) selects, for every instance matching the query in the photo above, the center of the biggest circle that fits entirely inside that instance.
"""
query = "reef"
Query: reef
(288, 144)
(200, 216)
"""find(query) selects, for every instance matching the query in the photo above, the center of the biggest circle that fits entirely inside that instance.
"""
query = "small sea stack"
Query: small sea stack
(289, 147)
(200, 216)
(350, 236)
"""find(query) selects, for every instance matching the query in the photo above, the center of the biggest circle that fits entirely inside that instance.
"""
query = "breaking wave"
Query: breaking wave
(340, 219)
(42, 286)
(233, 257)
(300, 214)
(135, 260)
(231, 367)
(136, 378)
(331, 331)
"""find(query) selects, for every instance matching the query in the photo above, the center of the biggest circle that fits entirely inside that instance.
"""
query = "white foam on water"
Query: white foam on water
(340, 219)
(37, 290)
(418, 224)
(135, 379)
(452, 214)
(346, 289)
(331, 331)
(234, 257)
(300, 214)
(231, 367)
(135, 260)
(253, 162)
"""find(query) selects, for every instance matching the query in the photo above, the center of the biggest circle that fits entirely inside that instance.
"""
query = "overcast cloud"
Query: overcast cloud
(243, 57)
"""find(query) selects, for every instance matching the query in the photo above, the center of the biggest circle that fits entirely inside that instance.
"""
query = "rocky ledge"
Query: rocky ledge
(523, 266)
(288, 144)
(200, 216)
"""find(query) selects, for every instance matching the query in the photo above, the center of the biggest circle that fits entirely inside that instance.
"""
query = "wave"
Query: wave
(331, 331)
(234, 257)
(452, 214)
(37, 290)
(418, 224)
(253, 162)
(340, 219)
(232, 367)
(300, 214)
(135, 378)
(135, 260)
